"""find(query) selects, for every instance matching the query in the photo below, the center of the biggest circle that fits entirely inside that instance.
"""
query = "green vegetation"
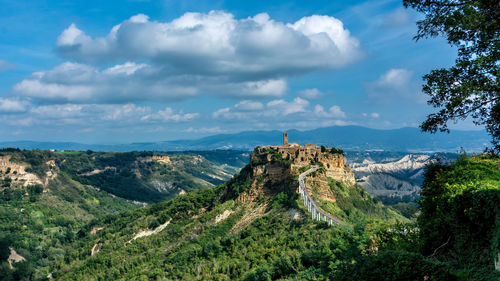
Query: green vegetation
(40, 221)
(40, 225)
(334, 150)
(211, 237)
(260, 156)
(470, 88)
(129, 175)
(460, 220)
(353, 204)
(229, 158)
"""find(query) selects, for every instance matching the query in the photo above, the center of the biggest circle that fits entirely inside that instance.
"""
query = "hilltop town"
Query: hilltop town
(333, 160)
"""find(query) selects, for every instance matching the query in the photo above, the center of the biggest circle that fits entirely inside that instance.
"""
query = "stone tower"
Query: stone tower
(285, 138)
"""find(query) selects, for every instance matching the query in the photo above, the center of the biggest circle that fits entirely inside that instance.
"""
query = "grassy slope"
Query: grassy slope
(256, 239)
(274, 247)
(39, 225)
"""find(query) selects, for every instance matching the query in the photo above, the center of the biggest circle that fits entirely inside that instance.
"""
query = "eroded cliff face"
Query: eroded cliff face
(344, 175)
(16, 172)
(269, 172)
(268, 176)
(394, 181)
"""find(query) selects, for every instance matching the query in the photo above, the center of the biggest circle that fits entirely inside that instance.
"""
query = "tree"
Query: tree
(469, 88)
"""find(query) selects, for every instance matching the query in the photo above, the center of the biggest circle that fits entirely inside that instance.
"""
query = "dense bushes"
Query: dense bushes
(460, 220)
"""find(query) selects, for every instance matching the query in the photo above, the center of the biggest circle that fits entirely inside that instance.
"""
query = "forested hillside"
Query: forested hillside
(49, 199)
(212, 234)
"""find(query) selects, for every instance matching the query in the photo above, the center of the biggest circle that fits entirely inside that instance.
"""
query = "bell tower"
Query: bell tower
(285, 138)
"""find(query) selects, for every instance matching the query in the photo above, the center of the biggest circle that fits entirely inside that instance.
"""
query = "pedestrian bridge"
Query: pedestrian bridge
(316, 212)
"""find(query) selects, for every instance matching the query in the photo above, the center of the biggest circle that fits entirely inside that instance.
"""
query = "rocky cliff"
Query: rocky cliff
(271, 171)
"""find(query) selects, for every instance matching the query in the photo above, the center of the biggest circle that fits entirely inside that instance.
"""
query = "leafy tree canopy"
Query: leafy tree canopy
(469, 88)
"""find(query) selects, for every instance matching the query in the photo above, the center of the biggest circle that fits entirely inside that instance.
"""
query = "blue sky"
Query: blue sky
(131, 71)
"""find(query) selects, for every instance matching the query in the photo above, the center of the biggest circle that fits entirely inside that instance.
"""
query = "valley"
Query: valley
(144, 215)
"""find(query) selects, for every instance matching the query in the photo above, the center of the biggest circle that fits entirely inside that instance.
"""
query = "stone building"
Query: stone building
(307, 154)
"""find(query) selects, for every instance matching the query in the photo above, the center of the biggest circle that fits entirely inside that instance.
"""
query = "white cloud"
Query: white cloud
(282, 107)
(129, 82)
(12, 105)
(333, 112)
(127, 68)
(59, 111)
(124, 112)
(169, 115)
(395, 78)
(247, 105)
(372, 115)
(310, 93)
(195, 54)
(393, 85)
(296, 113)
(86, 114)
(256, 45)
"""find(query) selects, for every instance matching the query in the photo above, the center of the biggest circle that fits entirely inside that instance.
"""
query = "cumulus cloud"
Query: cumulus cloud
(85, 114)
(333, 112)
(131, 82)
(168, 114)
(274, 108)
(223, 43)
(197, 53)
(284, 108)
(297, 113)
(395, 84)
(79, 83)
(310, 93)
(247, 105)
(12, 105)
(372, 115)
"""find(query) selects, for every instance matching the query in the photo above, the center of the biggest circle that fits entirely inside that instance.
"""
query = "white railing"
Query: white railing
(316, 212)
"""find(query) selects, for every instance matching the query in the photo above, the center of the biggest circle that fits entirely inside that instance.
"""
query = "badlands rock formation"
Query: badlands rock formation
(398, 180)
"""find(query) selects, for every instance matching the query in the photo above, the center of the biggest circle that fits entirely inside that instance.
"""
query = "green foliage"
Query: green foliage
(34, 192)
(397, 266)
(409, 210)
(239, 183)
(54, 234)
(334, 150)
(260, 156)
(4, 248)
(470, 88)
(354, 204)
(286, 199)
(6, 182)
(460, 220)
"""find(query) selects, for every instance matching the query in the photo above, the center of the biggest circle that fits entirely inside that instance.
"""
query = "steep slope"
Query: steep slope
(138, 176)
(41, 210)
(49, 200)
(145, 176)
(252, 227)
(395, 180)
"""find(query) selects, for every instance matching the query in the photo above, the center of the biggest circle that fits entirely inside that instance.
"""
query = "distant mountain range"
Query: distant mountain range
(345, 137)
